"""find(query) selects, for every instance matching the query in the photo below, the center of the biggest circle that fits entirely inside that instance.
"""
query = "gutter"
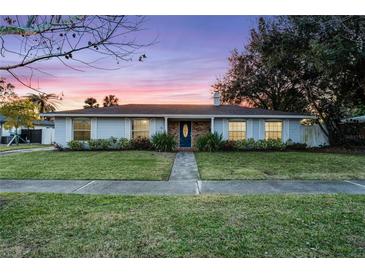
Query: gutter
(178, 116)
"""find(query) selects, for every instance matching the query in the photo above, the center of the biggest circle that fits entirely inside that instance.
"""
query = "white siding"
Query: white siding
(128, 128)
(249, 129)
(60, 131)
(218, 126)
(295, 130)
(110, 127)
(157, 125)
(69, 132)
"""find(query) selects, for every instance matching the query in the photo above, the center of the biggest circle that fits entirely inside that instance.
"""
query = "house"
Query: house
(185, 122)
(42, 132)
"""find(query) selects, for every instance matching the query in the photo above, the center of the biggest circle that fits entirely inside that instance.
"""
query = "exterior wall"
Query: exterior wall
(199, 128)
(255, 128)
(103, 128)
(110, 127)
(173, 129)
(60, 131)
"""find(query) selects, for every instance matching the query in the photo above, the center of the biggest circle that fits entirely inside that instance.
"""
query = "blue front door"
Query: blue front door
(185, 134)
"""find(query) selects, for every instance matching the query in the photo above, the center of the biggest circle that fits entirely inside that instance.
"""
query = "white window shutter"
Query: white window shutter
(94, 128)
(68, 129)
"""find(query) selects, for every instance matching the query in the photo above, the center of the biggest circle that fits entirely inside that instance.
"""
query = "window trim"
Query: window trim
(82, 130)
(245, 128)
(141, 119)
(282, 128)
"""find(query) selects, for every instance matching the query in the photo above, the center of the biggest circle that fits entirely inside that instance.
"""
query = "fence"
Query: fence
(313, 136)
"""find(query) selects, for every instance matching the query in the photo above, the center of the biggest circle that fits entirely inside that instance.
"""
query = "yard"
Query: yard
(21, 146)
(71, 225)
(118, 165)
(280, 165)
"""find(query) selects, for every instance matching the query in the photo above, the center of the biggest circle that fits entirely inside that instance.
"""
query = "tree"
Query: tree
(19, 113)
(319, 59)
(251, 81)
(64, 38)
(45, 102)
(6, 91)
(91, 102)
(110, 100)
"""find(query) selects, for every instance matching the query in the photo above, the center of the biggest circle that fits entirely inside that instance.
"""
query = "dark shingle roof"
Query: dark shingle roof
(173, 109)
(43, 123)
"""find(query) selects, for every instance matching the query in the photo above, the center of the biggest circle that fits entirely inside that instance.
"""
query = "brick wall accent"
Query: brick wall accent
(199, 128)
(173, 129)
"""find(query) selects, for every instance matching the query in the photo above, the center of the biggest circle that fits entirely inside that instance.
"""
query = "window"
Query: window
(82, 129)
(140, 128)
(273, 130)
(236, 130)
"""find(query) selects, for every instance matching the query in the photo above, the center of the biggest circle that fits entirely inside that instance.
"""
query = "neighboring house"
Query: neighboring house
(2, 121)
(42, 132)
(185, 122)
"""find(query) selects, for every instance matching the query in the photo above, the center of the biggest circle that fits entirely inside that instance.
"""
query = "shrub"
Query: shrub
(163, 142)
(100, 144)
(272, 144)
(229, 145)
(123, 144)
(295, 146)
(140, 144)
(209, 142)
(76, 145)
(247, 144)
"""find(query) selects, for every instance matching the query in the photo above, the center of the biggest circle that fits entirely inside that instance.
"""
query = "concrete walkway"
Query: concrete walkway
(184, 180)
(25, 150)
(182, 188)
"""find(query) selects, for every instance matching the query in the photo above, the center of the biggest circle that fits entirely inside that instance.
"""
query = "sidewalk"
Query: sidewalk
(183, 188)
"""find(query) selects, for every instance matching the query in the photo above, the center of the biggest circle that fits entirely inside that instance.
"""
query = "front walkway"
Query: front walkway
(184, 180)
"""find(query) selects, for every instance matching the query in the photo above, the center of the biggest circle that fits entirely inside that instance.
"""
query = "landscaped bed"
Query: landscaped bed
(118, 165)
(280, 165)
(21, 146)
(60, 225)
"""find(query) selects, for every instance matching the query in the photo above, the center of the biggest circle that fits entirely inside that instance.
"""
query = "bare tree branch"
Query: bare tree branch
(63, 38)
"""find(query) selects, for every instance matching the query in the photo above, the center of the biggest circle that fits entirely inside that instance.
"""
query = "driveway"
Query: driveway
(25, 150)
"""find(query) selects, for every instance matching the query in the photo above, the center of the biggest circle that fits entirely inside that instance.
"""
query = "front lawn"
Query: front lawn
(280, 165)
(71, 225)
(118, 165)
(21, 146)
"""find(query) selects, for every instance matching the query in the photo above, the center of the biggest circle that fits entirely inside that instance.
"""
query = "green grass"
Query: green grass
(118, 165)
(21, 146)
(71, 225)
(280, 165)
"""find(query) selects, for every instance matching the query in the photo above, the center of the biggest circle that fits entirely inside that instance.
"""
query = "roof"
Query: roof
(360, 119)
(176, 110)
(45, 123)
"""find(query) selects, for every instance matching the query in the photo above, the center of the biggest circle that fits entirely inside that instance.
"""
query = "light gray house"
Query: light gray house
(185, 122)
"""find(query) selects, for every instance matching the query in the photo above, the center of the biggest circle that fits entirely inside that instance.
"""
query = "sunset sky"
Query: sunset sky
(189, 55)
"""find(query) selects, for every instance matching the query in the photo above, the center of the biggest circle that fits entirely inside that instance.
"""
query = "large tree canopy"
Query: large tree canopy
(27, 40)
(296, 63)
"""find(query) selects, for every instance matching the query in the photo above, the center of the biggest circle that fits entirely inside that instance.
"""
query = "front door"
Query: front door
(185, 134)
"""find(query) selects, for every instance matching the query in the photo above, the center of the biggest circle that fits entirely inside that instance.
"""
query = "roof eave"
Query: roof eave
(179, 115)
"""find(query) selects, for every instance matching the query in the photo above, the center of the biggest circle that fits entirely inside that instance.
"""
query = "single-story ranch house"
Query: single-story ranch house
(185, 122)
